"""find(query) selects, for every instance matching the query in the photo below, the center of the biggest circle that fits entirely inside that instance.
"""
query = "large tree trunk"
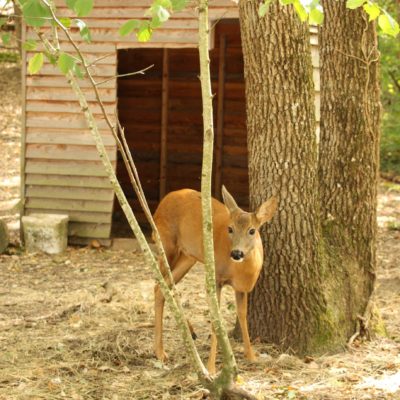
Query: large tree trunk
(349, 159)
(319, 262)
(287, 306)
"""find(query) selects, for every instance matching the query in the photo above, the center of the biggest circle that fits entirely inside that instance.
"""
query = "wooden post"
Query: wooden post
(164, 124)
(220, 118)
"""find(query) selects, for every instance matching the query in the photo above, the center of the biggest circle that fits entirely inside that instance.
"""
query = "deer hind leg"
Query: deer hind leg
(241, 309)
(180, 269)
(214, 343)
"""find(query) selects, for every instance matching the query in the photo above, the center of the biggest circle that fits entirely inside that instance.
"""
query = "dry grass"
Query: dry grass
(80, 326)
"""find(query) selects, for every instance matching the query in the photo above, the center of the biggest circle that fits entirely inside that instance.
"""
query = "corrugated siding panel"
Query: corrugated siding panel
(62, 169)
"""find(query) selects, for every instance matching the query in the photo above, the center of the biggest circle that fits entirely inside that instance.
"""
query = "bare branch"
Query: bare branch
(141, 72)
(99, 59)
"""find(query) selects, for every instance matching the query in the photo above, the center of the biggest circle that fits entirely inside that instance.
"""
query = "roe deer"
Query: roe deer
(238, 252)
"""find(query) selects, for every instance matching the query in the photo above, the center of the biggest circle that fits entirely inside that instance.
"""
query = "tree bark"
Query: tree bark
(319, 263)
(349, 160)
(287, 306)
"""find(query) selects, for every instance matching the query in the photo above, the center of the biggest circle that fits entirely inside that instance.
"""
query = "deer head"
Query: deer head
(244, 226)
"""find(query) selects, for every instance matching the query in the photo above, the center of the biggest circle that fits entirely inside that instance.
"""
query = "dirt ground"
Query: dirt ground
(80, 325)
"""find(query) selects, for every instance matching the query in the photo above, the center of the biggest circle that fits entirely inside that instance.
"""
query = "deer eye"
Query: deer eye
(230, 229)
(252, 231)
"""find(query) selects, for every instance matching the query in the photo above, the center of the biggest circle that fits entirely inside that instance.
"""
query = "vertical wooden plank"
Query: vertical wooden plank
(164, 124)
(220, 118)
(23, 126)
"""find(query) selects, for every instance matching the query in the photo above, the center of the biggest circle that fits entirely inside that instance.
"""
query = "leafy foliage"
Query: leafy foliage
(128, 27)
(35, 63)
(29, 45)
(9, 56)
(159, 12)
(312, 11)
(388, 25)
(65, 63)
(306, 10)
(35, 13)
(82, 8)
(6, 38)
(386, 22)
(83, 30)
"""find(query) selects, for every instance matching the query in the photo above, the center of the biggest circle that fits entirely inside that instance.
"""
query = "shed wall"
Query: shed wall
(62, 172)
(61, 167)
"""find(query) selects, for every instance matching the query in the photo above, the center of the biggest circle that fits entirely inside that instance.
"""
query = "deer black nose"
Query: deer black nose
(237, 254)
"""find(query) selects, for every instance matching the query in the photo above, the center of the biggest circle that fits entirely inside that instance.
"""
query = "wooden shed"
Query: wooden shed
(161, 113)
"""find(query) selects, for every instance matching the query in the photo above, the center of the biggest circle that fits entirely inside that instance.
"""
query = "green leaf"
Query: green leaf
(388, 25)
(372, 10)
(161, 13)
(286, 2)
(83, 7)
(35, 13)
(29, 45)
(6, 37)
(144, 33)
(179, 5)
(128, 27)
(35, 63)
(66, 22)
(52, 58)
(77, 71)
(155, 22)
(3, 21)
(263, 8)
(300, 10)
(316, 16)
(83, 30)
(353, 4)
(163, 3)
(71, 4)
(65, 63)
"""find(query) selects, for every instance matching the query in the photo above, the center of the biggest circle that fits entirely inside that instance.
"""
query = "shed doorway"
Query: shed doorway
(161, 112)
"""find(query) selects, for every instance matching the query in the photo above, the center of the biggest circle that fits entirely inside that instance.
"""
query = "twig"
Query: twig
(141, 72)
(99, 59)
(351, 56)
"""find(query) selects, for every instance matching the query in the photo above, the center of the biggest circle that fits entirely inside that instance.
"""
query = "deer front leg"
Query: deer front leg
(159, 311)
(214, 342)
(241, 309)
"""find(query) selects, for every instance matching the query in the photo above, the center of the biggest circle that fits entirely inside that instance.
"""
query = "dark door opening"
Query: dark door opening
(161, 112)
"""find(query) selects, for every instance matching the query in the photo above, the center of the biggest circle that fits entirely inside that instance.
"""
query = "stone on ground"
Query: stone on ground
(45, 232)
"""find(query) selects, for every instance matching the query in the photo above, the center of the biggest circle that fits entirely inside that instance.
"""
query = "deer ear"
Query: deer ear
(267, 210)
(229, 201)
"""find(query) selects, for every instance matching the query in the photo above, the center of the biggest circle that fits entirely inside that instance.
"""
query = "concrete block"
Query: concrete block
(4, 238)
(45, 232)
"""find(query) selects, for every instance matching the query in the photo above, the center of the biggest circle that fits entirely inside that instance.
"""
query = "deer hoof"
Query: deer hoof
(162, 355)
(250, 355)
